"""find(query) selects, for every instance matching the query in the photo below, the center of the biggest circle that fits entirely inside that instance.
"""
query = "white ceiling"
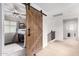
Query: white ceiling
(55, 7)
(9, 8)
(17, 7)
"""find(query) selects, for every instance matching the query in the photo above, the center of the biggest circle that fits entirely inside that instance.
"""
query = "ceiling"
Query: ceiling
(17, 7)
(10, 8)
(54, 7)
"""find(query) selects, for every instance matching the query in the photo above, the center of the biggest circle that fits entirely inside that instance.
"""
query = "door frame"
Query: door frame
(76, 19)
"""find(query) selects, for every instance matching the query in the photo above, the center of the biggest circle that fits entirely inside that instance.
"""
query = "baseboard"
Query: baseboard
(9, 43)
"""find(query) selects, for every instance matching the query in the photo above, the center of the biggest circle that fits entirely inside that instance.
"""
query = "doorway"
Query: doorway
(14, 29)
(70, 27)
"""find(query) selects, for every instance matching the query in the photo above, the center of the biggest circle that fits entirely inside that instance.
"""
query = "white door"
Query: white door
(70, 29)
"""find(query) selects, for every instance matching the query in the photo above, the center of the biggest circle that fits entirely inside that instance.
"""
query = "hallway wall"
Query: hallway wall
(1, 29)
(59, 28)
(72, 12)
(68, 13)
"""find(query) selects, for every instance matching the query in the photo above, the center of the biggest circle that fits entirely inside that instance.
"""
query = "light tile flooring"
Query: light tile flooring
(67, 47)
(13, 50)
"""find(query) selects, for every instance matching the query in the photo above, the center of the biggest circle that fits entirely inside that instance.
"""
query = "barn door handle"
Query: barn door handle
(29, 32)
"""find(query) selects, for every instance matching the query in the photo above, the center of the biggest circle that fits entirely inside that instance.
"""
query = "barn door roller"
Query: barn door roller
(28, 6)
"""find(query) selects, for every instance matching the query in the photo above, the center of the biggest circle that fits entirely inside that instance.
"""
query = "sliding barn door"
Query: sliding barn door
(34, 31)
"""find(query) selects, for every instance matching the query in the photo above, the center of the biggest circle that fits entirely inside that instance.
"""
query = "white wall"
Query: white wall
(66, 24)
(47, 21)
(59, 27)
(9, 37)
(0, 29)
(68, 13)
(72, 12)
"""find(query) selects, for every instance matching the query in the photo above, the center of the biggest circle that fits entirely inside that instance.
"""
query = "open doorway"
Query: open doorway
(14, 28)
(21, 33)
(71, 28)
